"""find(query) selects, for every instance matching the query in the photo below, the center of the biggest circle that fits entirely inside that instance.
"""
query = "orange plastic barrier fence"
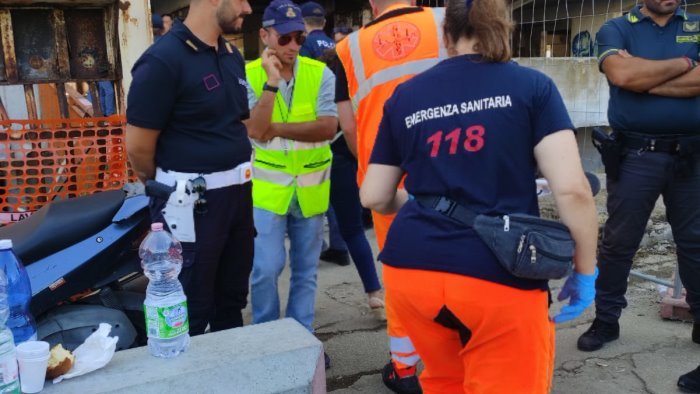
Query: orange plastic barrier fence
(45, 160)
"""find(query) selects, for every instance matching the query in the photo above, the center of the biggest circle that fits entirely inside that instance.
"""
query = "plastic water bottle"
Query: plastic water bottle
(9, 373)
(19, 290)
(167, 323)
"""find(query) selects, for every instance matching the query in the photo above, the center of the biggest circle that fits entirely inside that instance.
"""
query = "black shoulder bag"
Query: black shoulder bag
(527, 246)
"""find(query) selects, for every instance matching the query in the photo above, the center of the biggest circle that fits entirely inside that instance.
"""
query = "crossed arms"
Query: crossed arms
(670, 78)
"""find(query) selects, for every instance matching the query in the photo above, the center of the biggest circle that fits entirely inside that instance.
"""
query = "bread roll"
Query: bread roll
(60, 362)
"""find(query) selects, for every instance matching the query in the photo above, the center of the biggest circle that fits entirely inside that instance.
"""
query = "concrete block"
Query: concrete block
(675, 308)
(275, 357)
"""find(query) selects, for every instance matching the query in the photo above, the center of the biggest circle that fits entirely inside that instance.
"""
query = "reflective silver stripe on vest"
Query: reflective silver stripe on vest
(283, 144)
(276, 177)
(365, 85)
(392, 73)
(314, 178)
(439, 17)
(357, 62)
(274, 144)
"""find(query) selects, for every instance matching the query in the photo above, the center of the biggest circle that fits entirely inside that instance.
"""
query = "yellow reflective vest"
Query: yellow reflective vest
(282, 167)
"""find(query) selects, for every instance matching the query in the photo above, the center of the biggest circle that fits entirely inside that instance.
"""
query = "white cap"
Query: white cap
(5, 244)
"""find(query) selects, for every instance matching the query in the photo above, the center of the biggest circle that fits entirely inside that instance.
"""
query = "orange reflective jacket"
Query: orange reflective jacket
(402, 42)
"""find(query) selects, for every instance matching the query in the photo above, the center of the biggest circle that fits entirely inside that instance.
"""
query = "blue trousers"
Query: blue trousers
(631, 198)
(216, 268)
(305, 236)
(345, 199)
(335, 240)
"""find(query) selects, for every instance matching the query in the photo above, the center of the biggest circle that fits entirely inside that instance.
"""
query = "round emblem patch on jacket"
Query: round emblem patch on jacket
(396, 40)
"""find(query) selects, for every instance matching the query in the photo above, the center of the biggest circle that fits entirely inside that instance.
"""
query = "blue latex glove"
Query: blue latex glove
(581, 291)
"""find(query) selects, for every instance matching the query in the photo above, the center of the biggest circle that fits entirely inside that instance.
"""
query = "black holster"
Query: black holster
(688, 154)
(158, 190)
(610, 149)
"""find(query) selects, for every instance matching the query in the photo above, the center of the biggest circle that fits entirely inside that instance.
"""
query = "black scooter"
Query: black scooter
(81, 255)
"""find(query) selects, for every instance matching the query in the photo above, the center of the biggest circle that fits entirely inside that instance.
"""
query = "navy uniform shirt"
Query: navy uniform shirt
(466, 130)
(316, 43)
(642, 37)
(197, 97)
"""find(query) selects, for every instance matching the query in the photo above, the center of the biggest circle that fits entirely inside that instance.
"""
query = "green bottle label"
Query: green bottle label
(166, 322)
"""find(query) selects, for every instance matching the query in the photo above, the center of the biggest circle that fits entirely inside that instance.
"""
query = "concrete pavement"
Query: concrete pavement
(648, 358)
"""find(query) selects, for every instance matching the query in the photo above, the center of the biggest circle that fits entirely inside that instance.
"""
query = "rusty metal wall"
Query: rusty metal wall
(87, 48)
(3, 77)
(135, 35)
(35, 44)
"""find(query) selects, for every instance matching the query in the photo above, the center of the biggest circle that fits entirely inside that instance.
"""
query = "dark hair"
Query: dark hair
(330, 57)
(315, 21)
(486, 21)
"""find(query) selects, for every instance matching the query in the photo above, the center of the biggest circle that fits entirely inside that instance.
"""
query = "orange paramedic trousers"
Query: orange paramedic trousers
(403, 353)
(474, 336)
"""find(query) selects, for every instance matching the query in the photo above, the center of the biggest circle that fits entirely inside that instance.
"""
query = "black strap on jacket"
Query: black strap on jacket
(447, 207)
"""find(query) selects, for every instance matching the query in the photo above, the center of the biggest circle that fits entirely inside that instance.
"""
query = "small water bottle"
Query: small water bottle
(9, 373)
(19, 290)
(165, 307)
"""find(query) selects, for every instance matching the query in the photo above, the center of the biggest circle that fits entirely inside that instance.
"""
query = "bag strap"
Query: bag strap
(447, 207)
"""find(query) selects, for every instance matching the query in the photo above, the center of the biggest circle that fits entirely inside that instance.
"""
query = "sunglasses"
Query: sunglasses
(199, 186)
(284, 40)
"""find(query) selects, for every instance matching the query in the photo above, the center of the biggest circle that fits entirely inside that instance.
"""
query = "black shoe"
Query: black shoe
(690, 382)
(597, 335)
(327, 360)
(336, 256)
(696, 332)
(406, 385)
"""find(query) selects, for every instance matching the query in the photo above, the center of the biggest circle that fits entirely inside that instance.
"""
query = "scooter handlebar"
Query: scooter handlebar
(158, 190)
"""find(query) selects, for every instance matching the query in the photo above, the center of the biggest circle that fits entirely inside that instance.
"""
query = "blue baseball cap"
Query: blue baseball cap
(284, 16)
(156, 21)
(312, 9)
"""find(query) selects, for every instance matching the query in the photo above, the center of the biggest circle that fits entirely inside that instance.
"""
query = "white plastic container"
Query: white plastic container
(33, 359)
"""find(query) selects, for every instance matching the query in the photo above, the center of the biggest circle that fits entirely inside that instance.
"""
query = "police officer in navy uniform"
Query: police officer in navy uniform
(649, 57)
(317, 41)
(186, 110)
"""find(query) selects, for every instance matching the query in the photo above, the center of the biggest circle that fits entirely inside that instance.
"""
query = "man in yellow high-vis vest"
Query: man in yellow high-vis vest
(293, 117)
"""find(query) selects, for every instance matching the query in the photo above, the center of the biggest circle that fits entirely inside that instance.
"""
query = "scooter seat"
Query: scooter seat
(61, 224)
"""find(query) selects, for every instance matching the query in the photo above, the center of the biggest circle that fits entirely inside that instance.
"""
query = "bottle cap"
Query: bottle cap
(5, 244)
(155, 227)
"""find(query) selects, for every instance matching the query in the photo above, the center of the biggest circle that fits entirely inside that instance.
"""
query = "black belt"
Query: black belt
(651, 144)
(448, 208)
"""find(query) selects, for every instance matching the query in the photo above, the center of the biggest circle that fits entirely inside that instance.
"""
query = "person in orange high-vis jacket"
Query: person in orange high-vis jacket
(402, 41)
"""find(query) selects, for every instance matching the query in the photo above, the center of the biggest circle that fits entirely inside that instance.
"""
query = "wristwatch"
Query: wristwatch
(269, 88)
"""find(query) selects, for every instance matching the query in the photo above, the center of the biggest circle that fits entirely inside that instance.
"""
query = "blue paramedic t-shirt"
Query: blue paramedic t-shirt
(640, 36)
(465, 129)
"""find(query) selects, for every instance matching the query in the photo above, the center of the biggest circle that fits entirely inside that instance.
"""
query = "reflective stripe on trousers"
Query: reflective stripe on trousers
(402, 350)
